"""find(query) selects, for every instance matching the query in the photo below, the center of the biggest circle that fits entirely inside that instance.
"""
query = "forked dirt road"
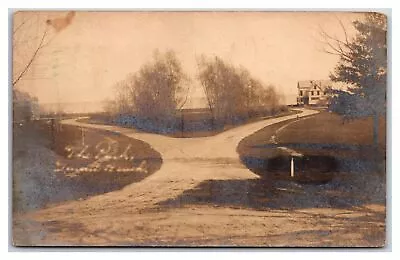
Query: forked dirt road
(132, 216)
(189, 161)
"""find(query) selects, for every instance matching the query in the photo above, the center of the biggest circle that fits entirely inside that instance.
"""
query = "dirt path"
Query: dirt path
(132, 216)
(189, 161)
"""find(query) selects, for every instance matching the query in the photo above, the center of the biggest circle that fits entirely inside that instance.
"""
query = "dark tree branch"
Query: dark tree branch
(186, 98)
(338, 49)
(205, 91)
(20, 25)
(345, 33)
(28, 65)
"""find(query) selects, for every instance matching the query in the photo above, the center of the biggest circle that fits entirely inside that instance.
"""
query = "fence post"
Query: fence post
(292, 168)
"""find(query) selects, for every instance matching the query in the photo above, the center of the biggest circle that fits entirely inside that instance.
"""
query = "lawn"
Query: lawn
(321, 139)
(328, 128)
(325, 129)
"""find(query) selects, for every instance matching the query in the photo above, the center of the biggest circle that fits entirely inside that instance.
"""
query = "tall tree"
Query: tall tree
(363, 66)
(154, 93)
(224, 88)
(232, 93)
(158, 86)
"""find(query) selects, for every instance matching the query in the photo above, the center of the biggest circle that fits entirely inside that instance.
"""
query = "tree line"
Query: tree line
(156, 93)
(153, 96)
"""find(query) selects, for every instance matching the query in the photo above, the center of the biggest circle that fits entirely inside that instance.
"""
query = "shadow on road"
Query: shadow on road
(264, 194)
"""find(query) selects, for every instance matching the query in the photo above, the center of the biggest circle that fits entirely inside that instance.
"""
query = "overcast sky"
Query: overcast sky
(97, 49)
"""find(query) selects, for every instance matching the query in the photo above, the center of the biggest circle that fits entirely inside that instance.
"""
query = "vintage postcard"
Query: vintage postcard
(238, 129)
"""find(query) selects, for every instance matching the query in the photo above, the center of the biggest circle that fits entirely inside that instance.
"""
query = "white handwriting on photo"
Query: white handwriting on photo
(106, 158)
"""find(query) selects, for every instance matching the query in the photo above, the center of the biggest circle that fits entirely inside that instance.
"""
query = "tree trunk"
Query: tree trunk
(375, 130)
(212, 119)
(182, 123)
(379, 158)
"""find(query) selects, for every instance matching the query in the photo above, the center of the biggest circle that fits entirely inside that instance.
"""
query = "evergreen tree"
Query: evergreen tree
(363, 66)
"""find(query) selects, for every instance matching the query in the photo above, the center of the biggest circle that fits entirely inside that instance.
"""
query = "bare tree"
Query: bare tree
(124, 99)
(185, 95)
(154, 93)
(232, 93)
(158, 87)
(222, 87)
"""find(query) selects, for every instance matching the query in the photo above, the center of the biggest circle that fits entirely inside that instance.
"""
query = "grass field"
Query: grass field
(328, 128)
(324, 129)
(321, 139)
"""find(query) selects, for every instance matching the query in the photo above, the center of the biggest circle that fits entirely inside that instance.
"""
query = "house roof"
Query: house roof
(309, 84)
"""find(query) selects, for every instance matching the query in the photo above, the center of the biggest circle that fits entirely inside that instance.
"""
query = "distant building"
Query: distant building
(313, 92)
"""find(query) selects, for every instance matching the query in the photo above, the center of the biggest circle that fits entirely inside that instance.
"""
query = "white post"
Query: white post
(292, 168)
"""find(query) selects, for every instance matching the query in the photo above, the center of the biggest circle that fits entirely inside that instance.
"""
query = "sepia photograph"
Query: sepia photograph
(199, 128)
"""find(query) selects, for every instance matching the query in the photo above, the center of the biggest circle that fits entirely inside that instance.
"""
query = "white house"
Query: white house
(313, 92)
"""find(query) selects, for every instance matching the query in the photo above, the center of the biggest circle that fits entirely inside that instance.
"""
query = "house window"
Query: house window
(301, 92)
(312, 93)
(317, 93)
(315, 87)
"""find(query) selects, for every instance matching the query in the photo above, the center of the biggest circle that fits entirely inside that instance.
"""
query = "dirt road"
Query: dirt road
(135, 215)
(192, 160)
